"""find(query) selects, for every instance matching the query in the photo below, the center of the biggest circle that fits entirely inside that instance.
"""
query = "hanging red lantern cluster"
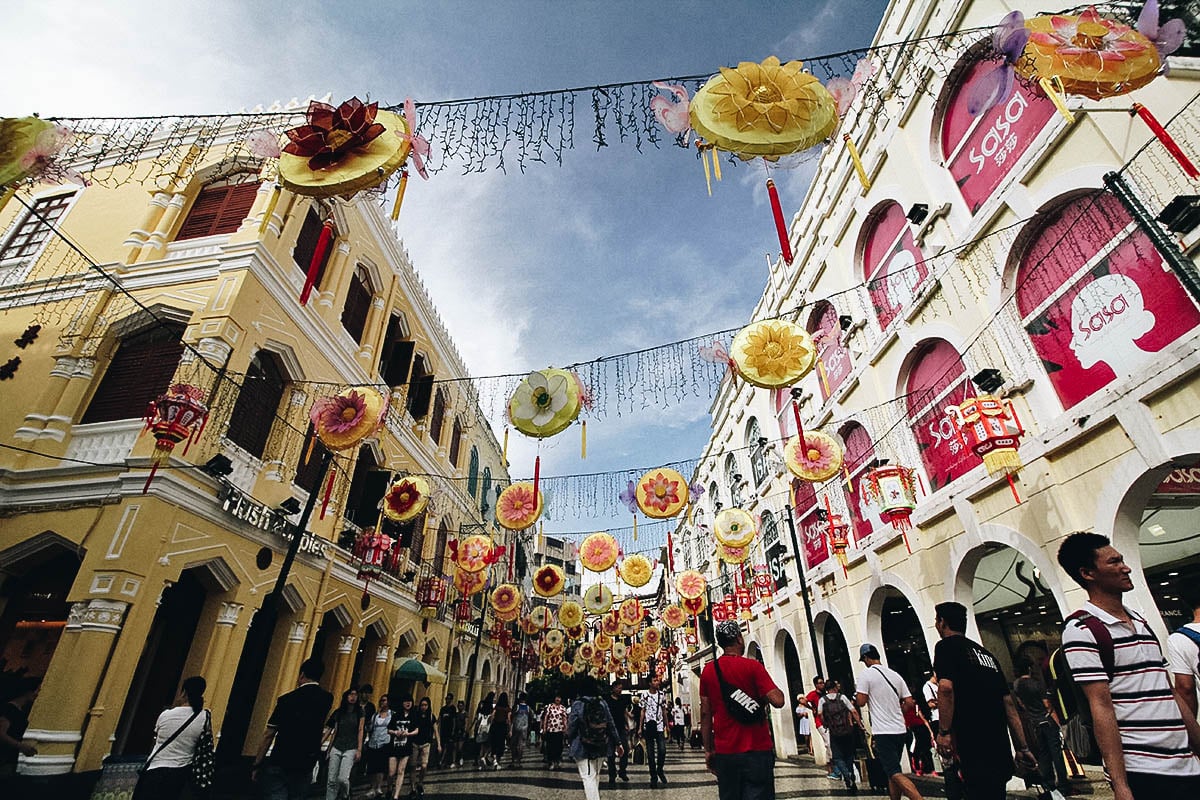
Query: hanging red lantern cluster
(990, 429)
(431, 592)
(178, 414)
(692, 641)
(376, 555)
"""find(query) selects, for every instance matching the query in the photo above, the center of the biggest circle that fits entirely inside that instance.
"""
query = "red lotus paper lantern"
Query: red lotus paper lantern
(431, 592)
(178, 414)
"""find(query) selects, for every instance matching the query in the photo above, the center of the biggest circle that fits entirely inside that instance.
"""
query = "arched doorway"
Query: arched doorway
(791, 670)
(838, 665)
(1017, 615)
(33, 601)
(1168, 541)
(903, 638)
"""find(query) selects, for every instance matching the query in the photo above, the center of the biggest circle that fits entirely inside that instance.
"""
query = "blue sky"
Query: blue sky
(613, 251)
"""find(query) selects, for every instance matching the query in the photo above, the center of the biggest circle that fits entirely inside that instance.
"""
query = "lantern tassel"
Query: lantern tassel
(583, 439)
(312, 442)
(859, 169)
(799, 425)
(318, 257)
(1168, 142)
(400, 194)
(270, 211)
(537, 469)
(635, 527)
(707, 172)
(716, 164)
(823, 376)
(780, 225)
(328, 494)
(1013, 486)
(1053, 89)
(504, 454)
(150, 477)
(1003, 460)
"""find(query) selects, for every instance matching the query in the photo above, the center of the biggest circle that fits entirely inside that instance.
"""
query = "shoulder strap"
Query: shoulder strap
(1104, 641)
(888, 681)
(1190, 633)
(171, 738)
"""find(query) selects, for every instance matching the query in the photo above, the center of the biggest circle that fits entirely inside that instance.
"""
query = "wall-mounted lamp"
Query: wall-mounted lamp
(917, 213)
(1182, 214)
(988, 380)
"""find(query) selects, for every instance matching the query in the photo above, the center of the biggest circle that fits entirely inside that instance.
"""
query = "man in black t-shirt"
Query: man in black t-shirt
(447, 718)
(295, 726)
(971, 688)
(618, 704)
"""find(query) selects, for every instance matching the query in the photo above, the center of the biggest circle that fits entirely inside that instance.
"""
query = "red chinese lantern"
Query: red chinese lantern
(462, 611)
(731, 606)
(892, 490)
(178, 414)
(375, 555)
(745, 599)
(764, 587)
(431, 592)
(990, 429)
(718, 612)
(691, 641)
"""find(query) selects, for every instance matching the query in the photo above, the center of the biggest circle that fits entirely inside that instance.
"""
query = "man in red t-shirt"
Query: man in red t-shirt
(741, 754)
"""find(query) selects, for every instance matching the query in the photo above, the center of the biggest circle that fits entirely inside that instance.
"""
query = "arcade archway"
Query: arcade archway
(903, 637)
(838, 665)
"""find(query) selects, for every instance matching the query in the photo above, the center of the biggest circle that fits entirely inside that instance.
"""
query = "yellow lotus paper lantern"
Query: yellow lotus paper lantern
(653, 638)
(468, 583)
(549, 580)
(343, 150)
(519, 506)
(767, 109)
(546, 402)
(636, 570)
(773, 353)
(597, 599)
(603, 641)
(673, 616)
(570, 615)
(473, 553)
(813, 457)
(505, 598)
(406, 498)
(598, 552)
(690, 584)
(734, 527)
(1091, 55)
(586, 651)
(344, 420)
(662, 493)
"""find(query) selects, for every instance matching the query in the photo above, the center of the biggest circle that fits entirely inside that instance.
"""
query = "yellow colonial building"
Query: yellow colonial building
(186, 265)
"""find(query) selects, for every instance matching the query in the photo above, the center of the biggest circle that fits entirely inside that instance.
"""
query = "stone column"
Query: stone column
(138, 236)
(217, 671)
(156, 243)
(335, 275)
(347, 648)
(293, 656)
(56, 724)
(381, 676)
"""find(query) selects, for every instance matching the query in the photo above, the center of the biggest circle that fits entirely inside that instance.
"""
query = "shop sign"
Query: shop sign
(775, 562)
(1185, 480)
(242, 507)
(813, 540)
(835, 357)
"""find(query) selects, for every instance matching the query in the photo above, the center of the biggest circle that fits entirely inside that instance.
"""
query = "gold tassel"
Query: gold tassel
(635, 527)
(1002, 462)
(858, 165)
(400, 195)
(1053, 87)
(583, 440)
(823, 376)
(504, 454)
(541, 535)
(9, 194)
(311, 443)
(716, 164)
(846, 478)
(270, 212)
(707, 173)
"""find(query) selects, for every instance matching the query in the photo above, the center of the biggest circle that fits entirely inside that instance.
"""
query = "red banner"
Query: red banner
(894, 265)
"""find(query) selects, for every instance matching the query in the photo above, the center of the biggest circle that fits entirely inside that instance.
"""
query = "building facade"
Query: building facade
(113, 587)
(983, 243)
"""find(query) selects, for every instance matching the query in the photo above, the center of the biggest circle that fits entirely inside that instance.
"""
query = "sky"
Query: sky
(610, 252)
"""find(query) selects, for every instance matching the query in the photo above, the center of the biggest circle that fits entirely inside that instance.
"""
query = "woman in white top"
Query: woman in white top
(175, 734)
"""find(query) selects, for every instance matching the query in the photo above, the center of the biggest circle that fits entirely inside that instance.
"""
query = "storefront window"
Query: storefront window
(1169, 542)
(1095, 297)
(892, 264)
(834, 362)
(860, 452)
(1017, 616)
(938, 379)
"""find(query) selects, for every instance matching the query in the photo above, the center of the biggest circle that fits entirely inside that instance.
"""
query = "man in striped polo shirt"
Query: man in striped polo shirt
(1148, 744)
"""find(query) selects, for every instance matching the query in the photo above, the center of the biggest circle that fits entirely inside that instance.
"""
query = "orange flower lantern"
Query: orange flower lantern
(178, 414)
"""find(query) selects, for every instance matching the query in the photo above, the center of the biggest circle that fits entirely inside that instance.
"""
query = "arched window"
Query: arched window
(439, 551)
(757, 444)
(834, 364)
(367, 487)
(860, 452)
(937, 379)
(1095, 297)
(358, 303)
(308, 465)
(485, 496)
(455, 442)
(140, 370)
(733, 479)
(980, 150)
(420, 389)
(714, 493)
(892, 264)
(257, 404)
(784, 416)
(396, 355)
(306, 242)
(774, 549)
(438, 418)
(220, 207)
(473, 471)
(811, 529)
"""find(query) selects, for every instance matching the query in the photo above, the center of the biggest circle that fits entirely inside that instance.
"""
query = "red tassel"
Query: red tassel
(780, 226)
(1013, 486)
(670, 557)
(799, 426)
(150, 477)
(1172, 147)
(537, 469)
(328, 493)
(318, 258)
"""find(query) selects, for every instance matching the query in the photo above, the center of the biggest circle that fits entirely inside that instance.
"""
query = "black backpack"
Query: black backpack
(837, 717)
(1078, 733)
(593, 728)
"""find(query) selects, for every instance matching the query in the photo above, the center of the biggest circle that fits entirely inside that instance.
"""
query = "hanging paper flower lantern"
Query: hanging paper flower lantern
(638, 652)
(28, 149)
(474, 553)
(555, 638)
(694, 605)
(546, 402)
(611, 624)
(652, 637)
(631, 611)
(619, 651)
(635, 570)
(177, 414)
(673, 616)
(468, 583)
(343, 150)
(576, 632)
(597, 599)
(630, 630)
(990, 429)
(508, 616)
(566, 669)
(549, 580)
(892, 490)
(813, 456)
(431, 591)
(519, 506)
(768, 109)
(587, 650)
(662, 493)
(690, 584)
(732, 555)
(734, 527)
(598, 552)
(344, 420)
(1091, 55)
(603, 641)
(406, 498)
(570, 614)
(542, 617)
(505, 598)
(773, 353)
